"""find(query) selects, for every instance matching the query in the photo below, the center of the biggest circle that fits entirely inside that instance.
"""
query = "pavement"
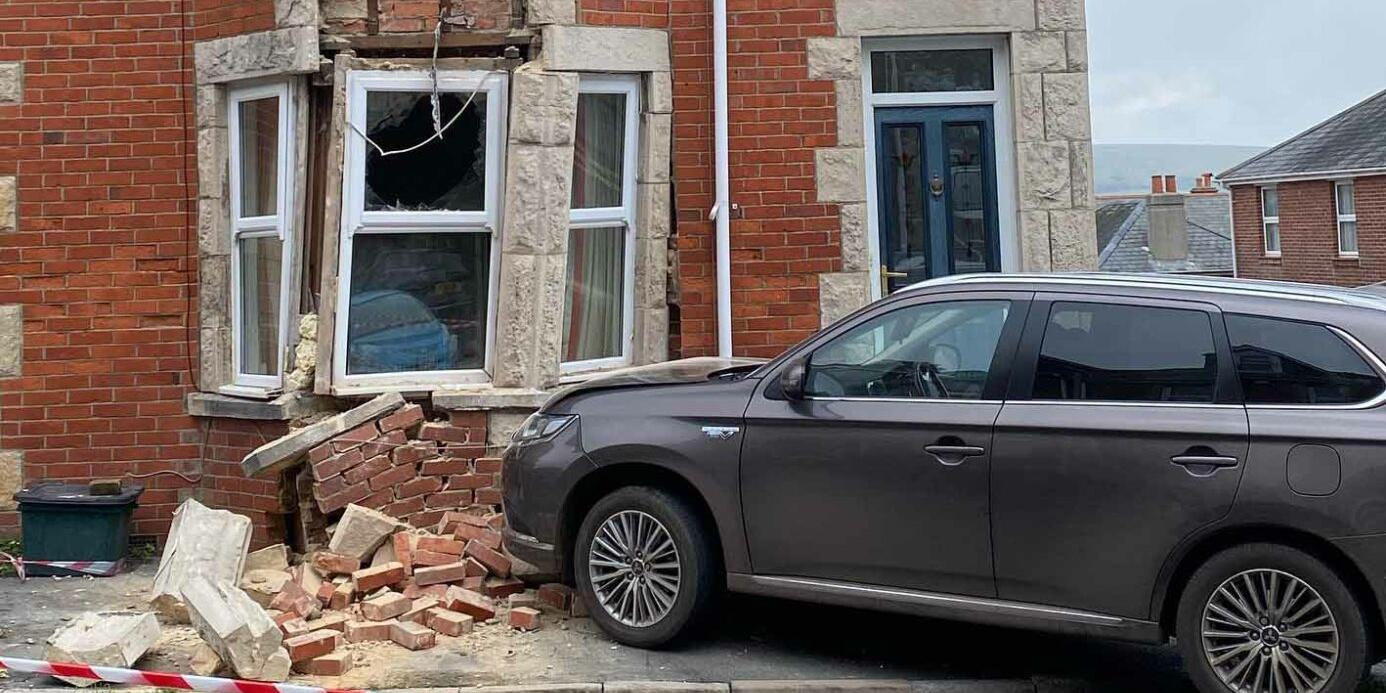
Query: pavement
(750, 644)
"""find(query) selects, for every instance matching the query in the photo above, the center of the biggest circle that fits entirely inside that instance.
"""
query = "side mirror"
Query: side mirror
(793, 377)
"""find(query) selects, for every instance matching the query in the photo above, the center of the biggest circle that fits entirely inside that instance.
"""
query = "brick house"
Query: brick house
(221, 218)
(1313, 208)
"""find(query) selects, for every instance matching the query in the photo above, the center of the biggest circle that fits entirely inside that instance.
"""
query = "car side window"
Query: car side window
(1125, 353)
(1287, 362)
(927, 351)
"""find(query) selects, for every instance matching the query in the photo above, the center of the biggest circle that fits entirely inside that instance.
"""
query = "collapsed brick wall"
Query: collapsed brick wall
(409, 468)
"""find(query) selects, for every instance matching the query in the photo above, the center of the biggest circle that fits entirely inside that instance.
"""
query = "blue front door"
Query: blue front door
(937, 179)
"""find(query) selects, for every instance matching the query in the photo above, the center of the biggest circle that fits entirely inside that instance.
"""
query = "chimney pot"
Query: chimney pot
(1171, 184)
(1157, 185)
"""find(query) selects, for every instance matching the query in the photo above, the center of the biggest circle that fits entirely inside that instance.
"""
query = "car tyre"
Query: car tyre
(646, 613)
(1260, 610)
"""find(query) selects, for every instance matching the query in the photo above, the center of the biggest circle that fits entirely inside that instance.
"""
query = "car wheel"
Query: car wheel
(645, 565)
(1267, 618)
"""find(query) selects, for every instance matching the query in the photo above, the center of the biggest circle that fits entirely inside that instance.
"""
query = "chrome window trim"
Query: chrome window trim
(909, 400)
(1254, 288)
(1124, 403)
(1356, 345)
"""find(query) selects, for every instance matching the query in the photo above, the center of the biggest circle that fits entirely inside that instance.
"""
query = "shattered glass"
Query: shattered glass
(447, 174)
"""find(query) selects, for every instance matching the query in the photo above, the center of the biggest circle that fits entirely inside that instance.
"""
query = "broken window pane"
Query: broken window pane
(261, 267)
(599, 152)
(446, 174)
(594, 307)
(259, 143)
(418, 302)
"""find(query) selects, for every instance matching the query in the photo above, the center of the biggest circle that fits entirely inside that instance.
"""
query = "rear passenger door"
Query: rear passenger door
(1123, 433)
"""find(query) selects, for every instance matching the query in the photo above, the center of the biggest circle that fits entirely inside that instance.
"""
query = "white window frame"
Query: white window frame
(356, 220)
(1266, 221)
(998, 97)
(1338, 187)
(278, 225)
(629, 85)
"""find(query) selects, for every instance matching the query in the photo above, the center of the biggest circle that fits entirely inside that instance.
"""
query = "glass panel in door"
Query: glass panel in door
(969, 198)
(904, 216)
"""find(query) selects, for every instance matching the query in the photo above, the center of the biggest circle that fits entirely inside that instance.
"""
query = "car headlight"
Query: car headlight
(540, 426)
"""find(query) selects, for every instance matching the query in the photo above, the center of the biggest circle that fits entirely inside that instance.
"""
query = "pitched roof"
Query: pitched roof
(1126, 224)
(1354, 140)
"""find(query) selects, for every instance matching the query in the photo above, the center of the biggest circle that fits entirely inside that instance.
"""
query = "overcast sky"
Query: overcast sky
(1246, 72)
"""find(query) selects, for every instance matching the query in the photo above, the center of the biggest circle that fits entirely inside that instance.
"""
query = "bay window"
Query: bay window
(1345, 195)
(260, 132)
(599, 301)
(420, 210)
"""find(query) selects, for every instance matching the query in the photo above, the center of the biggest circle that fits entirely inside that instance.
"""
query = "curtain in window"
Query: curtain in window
(593, 309)
(599, 154)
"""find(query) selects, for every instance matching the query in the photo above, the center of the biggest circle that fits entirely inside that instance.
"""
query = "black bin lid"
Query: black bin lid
(63, 493)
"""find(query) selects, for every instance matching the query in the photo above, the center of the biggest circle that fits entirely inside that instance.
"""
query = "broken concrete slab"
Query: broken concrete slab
(202, 542)
(361, 531)
(269, 558)
(281, 453)
(241, 633)
(114, 639)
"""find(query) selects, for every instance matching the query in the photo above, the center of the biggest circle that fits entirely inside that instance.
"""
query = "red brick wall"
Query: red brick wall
(783, 238)
(652, 14)
(1309, 234)
(102, 257)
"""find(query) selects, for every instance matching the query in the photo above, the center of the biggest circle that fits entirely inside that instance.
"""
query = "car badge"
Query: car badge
(720, 432)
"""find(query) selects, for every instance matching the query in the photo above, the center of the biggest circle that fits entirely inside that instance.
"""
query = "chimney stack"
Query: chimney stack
(1205, 185)
(1169, 220)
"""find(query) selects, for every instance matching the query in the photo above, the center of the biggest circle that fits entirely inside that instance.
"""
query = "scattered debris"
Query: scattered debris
(201, 542)
(241, 633)
(115, 639)
(269, 558)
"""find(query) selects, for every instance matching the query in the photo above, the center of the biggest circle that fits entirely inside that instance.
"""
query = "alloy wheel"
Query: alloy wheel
(635, 569)
(1267, 631)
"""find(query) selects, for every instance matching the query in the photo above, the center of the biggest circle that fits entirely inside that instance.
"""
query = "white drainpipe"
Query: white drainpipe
(721, 211)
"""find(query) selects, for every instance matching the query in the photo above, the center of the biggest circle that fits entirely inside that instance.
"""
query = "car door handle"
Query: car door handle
(1204, 461)
(954, 455)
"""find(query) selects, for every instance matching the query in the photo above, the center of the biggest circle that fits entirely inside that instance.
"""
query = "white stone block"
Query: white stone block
(361, 531)
(841, 174)
(201, 543)
(1066, 109)
(232, 624)
(605, 49)
(841, 293)
(913, 17)
(112, 639)
(831, 57)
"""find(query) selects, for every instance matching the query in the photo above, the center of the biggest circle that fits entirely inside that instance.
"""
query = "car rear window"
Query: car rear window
(1288, 362)
(1123, 353)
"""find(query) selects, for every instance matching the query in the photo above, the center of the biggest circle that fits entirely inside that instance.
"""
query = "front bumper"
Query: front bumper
(541, 555)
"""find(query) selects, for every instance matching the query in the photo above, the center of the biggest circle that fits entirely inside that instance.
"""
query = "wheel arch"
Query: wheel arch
(603, 480)
(1166, 599)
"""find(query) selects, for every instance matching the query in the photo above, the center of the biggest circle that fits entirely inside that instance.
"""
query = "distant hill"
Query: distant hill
(1127, 168)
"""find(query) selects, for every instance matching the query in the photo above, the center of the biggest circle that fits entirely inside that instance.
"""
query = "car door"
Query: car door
(1123, 434)
(878, 474)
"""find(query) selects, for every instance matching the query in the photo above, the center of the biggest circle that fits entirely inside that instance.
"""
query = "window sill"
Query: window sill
(285, 407)
(1349, 256)
(488, 397)
(1274, 255)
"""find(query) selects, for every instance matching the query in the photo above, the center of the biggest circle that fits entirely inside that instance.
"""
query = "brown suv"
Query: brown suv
(1121, 456)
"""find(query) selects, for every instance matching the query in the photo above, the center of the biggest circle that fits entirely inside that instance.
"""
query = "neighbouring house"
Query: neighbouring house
(1313, 208)
(219, 219)
(1166, 231)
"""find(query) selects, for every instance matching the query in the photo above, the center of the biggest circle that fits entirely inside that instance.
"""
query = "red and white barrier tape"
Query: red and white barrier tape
(180, 682)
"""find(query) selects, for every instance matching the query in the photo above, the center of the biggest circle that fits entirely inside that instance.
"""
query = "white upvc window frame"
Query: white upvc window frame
(1338, 187)
(629, 85)
(1267, 220)
(278, 225)
(357, 220)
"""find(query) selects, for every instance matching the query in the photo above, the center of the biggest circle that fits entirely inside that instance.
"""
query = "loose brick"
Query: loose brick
(489, 496)
(475, 583)
(368, 631)
(524, 618)
(464, 601)
(450, 521)
(404, 509)
(334, 664)
(492, 559)
(475, 568)
(448, 623)
(341, 596)
(412, 636)
(488, 465)
(444, 433)
(415, 451)
(496, 521)
(316, 644)
(418, 487)
(337, 464)
(556, 596)
(433, 558)
(434, 575)
(384, 444)
(467, 482)
(450, 499)
(385, 607)
(502, 587)
(329, 563)
(334, 620)
(405, 418)
(487, 537)
(579, 607)
(442, 545)
(519, 599)
(294, 627)
(292, 598)
(329, 488)
(397, 475)
(320, 453)
(404, 550)
(418, 609)
(371, 579)
(372, 468)
(444, 467)
(426, 519)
